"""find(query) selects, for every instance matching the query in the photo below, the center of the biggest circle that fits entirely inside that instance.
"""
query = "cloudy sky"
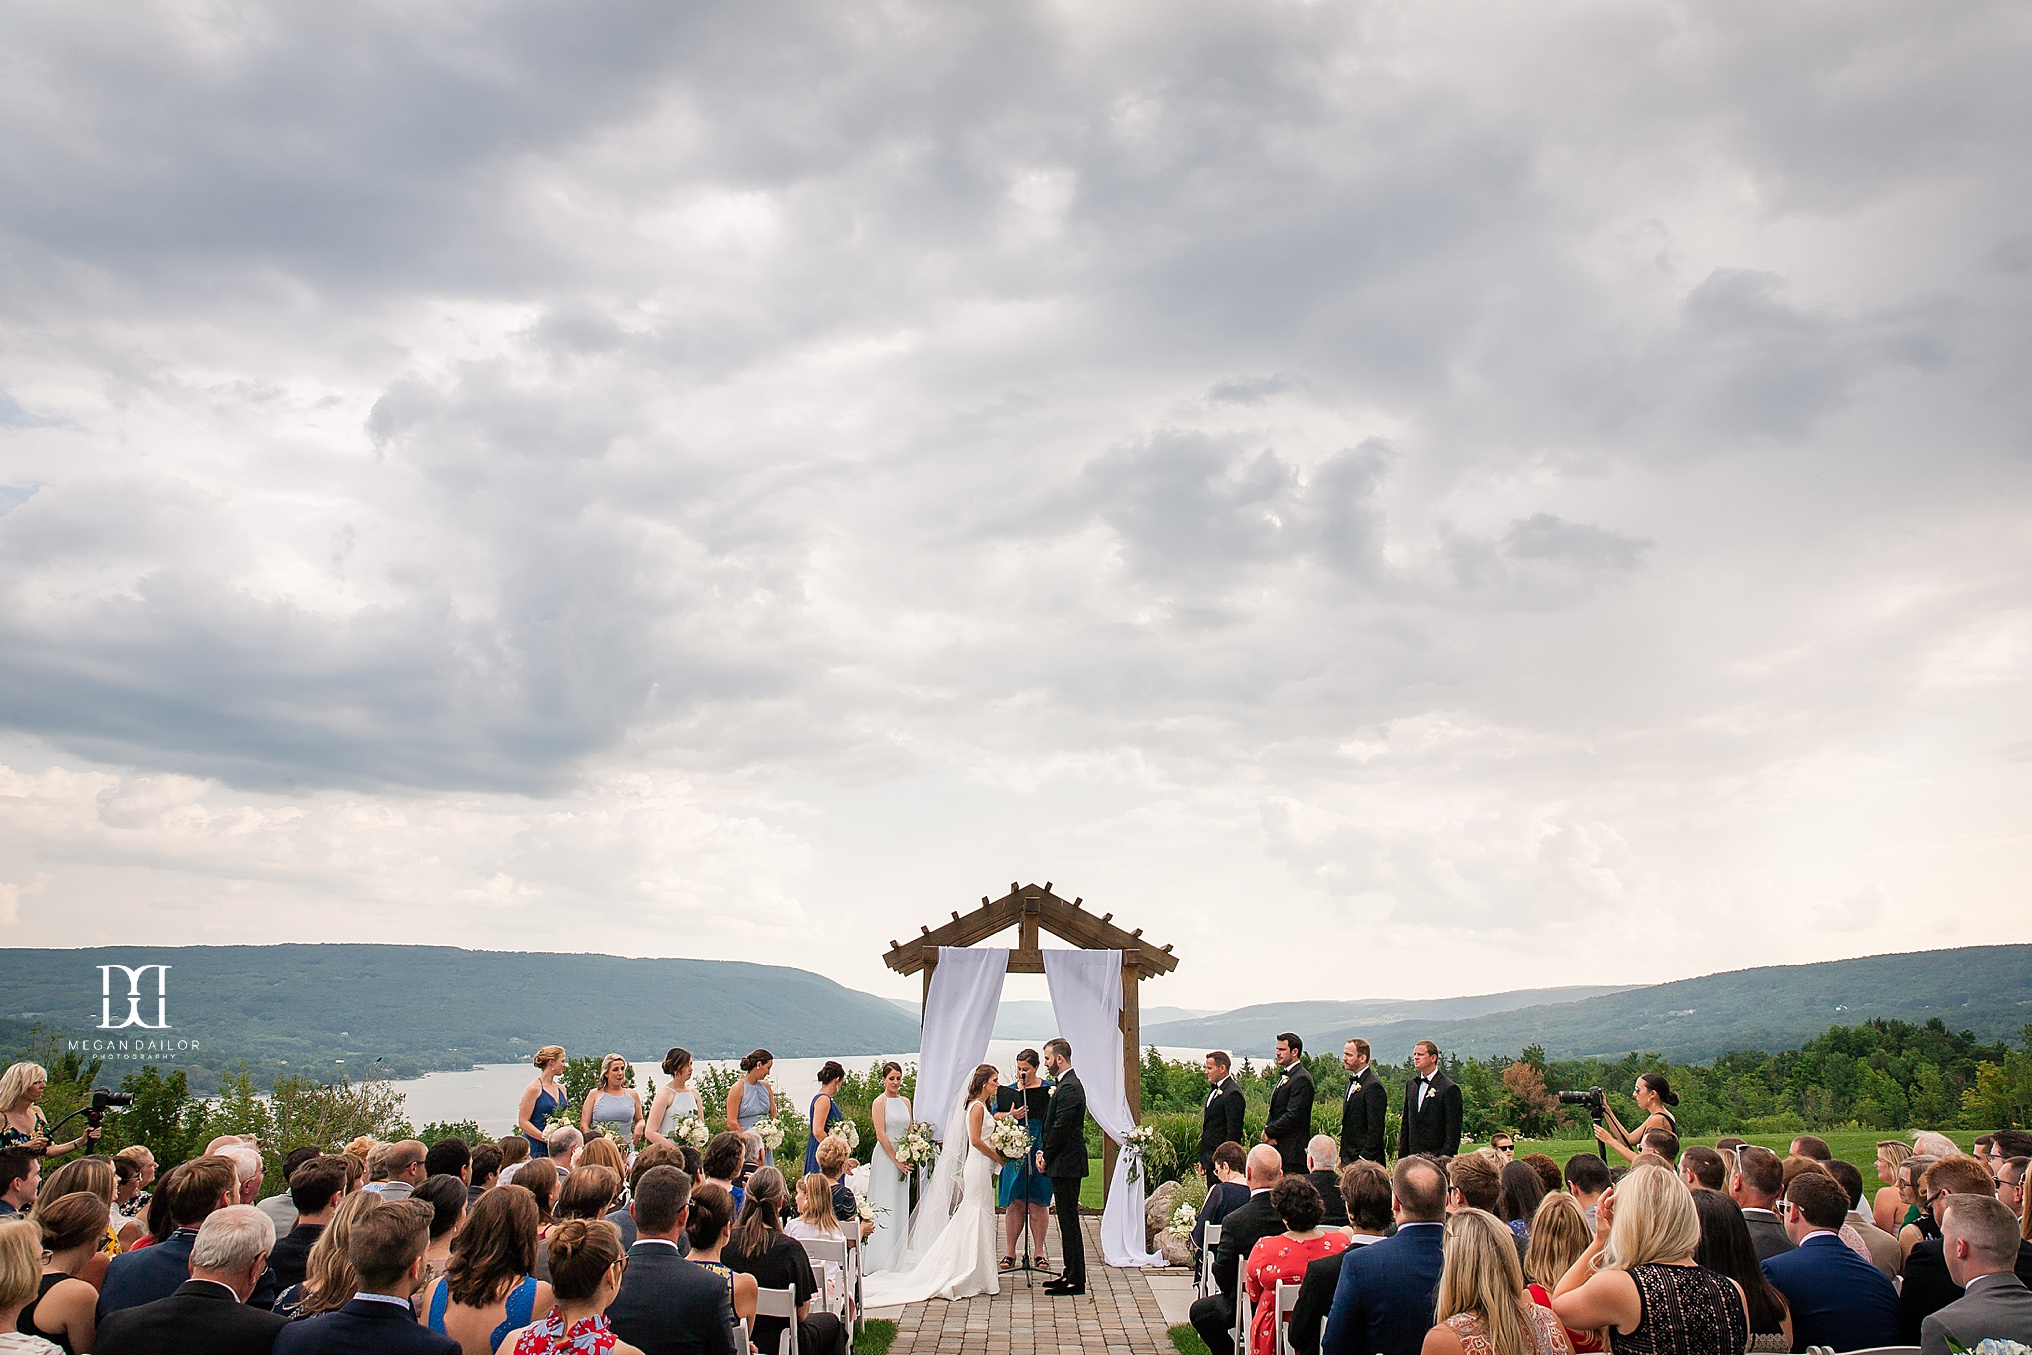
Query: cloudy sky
(1393, 498)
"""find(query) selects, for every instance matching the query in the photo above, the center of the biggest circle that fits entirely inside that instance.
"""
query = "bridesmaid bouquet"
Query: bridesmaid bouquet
(1011, 1139)
(866, 1210)
(846, 1133)
(692, 1129)
(786, 1125)
(917, 1147)
(770, 1131)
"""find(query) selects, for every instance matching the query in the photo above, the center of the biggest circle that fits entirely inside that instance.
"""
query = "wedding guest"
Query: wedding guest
(1474, 1182)
(2006, 1144)
(824, 1111)
(588, 1193)
(1807, 1146)
(514, 1152)
(489, 1287)
(1956, 1175)
(1284, 1256)
(759, 1248)
(1928, 1284)
(1387, 1296)
(668, 1305)
(1726, 1249)
(64, 1307)
(91, 1176)
(248, 1168)
(20, 1252)
(590, 1267)
(1655, 1098)
(540, 1177)
(394, 1170)
(1213, 1316)
(1548, 1171)
(2011, 1184)
(1323, 1169)
(135, 1167)
(1638, 1276)
(1431, 1121)
(709, 1228)
(483, 1170)
(210, 1311)
(1982, 1247)
(279, 1206)
(1587, 1180)
(622, 1216)
(449, 1157)
(832, 1165)
(1662, 1143)
(721, 1165)
(22, 1123)
(1886, 1208)
(1559, 1237)
(1290, 1120)
(1879, 1247)
(328, 1282)
(446, 1196)
(612, 1108)
(675, 1101)
(1482, 1307)
(751, 1100)
(1518, 1198)
(1703, 1169)
(1836, 1298)
(1365, 1196)
(1931, 1143)
(385, 1247)
(1504, 1145)
(815, 1221)
(1759, 1178)
(1230, 1190)
(1220, 1118)
(20, 1176)
(541, 1099)
(561, 1145)
(315, 1190)
(601, 1151)
(197, 1189)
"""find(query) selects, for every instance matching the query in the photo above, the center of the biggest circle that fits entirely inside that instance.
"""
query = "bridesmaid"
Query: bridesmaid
(674, 1099)
(749, 1100)
(612, 1107)
(888, 1177)
(540, 1098)
(829, 1076)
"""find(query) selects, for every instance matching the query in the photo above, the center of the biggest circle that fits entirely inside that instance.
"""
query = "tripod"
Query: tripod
(1019, 1198)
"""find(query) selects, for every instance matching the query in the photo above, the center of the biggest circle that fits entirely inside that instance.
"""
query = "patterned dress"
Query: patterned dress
(1687, 1310)
(587, 1336)
(1547, 1336)
(1280, 1258)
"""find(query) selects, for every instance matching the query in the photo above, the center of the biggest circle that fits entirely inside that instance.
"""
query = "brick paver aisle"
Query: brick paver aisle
(1118, 1314)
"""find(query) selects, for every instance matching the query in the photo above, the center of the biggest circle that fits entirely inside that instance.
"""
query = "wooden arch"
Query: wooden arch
(1032, 910)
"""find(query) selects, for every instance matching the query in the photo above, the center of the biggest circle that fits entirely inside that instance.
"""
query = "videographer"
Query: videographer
(1655, 1097)
(22, 1123)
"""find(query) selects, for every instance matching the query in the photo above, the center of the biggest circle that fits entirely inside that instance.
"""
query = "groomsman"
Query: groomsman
(1432, 1108)
(1291, 1105)
(1221, 1119)
(1363, 1110)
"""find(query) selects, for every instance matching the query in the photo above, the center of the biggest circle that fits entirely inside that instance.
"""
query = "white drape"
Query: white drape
(1086, 999)
(959, 1018)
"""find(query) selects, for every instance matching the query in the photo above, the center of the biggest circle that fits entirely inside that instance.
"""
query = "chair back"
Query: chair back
(1287, 1299)
(1203, 1283)
(780, 1303)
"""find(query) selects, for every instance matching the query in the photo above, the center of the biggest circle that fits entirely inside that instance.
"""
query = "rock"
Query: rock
(1177, 1251)
(1157, 1212)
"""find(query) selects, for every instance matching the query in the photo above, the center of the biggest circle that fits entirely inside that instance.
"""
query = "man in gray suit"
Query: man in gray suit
(1980, 1243)
(1760, 1176)
(667, 1304)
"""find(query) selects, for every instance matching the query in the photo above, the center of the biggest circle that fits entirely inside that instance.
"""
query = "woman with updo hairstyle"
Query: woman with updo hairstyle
(750, 1100)
(1284, 1256)
(541, 1099)
(1655, 1097)
(708, 1228)
(489, 1288)
(759, 1247)
(675, 1100)
(64, 1307)
(824, 1112)
(888, 1175)
(1482, 1308)
(587, 1263)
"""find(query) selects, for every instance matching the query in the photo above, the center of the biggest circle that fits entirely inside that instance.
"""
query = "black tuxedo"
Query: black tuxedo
(1214, 1316)
(292, 1253)
(671, 1306)
(1328, 1184)
(1065, 1162)
(1435, 1128)
(1291, 1116)
(1220, 1122)
(1362, 1115)
(200, 1315)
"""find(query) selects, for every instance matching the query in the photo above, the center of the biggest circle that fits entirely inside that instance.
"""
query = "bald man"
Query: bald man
(1213, 1317)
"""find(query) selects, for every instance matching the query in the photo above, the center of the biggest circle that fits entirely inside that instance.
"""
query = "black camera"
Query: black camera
(104, 1100)
(1597, 1105)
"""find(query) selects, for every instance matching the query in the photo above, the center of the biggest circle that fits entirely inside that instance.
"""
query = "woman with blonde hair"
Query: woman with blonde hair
(1559, 1236)
(1482, 1307)
(612, 1108)
(1887, 1209)
(20, 1274)
(817, 1221)
(64, 1307)
(601, 1151)
(1638, 1277)
(329, 1281)
(22, 1123)
(541, 1099)
(92, 1176)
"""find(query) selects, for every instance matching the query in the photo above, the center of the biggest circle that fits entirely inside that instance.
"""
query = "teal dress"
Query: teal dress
(1021, 1180)
(833, 1117)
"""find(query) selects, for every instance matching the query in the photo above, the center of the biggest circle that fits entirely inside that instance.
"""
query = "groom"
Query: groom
(1063, 1158)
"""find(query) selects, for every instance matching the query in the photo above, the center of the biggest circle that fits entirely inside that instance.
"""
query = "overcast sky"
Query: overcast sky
(1392, 498)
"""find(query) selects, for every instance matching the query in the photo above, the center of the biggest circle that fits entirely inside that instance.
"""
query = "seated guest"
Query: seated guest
(1365, 1194)
(20, 1175)
(1229, 1190)
(210, 1310)
(664, 1154)
(1587, 1178)
(1880, 1248)
(446, 1196)
(73, 1229)
(1703, 1169)
(483, 1170)
(395, 1170)
(196, 1190)
(759, 1248)
(2011, 1184)
(1481, 1306)
(1284, 1256)
(1836, 1298)
(1518, 1198)
(135, 1167)
(315, 1189)
(708, 1229)
(1664, 1143)
(815, 1221)
(832, 1165)
(1887, 1210)
(489, 1287)
(1388, 1291)
(2006, 1144)
(1814, 1149)
(1323, 1169)
(1928, 1285)
(279, 1206)
(601, 1151)
(1213, 1317)
(539, 1177)
(449, 1157)
(385, 1247)
(1982, 1245)
(328, 1279)
(1726, 1249)
(20, 1255)
(1759, 1178)
(563, 1144)
(1930, 1143)
(1548, 1171)
(1474, 1181)
(668, 1305)
(721, 1165)
(93, 1176)
(589, 1264)
(588, 1193)
(514, 1152)
(1638, 1276)
(1559, 1237)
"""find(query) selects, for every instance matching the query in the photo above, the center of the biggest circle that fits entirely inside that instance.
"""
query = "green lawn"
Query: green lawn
(1857, 1146)
(875, 1340)
(1187, 1341)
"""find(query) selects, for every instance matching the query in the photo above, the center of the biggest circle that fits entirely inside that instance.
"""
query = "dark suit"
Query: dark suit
(1291, 1116)
(1997, 1306)
(1213, 1317)
(200, 1315)
(671, 1306)
(1315, 1300)
(1328, 1184)
(1220, 1122)
(137, 1277)
(362, 1326)
(1433, 1128)
(1362, 1116)
(1065, 1162)
(1837, 1298)
(292, 1253)
(1929, 1288)
(1387, 1294)
(1767, 1234)
(1224, 1199)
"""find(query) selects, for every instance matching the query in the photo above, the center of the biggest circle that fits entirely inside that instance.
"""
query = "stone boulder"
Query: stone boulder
(1157, 1209)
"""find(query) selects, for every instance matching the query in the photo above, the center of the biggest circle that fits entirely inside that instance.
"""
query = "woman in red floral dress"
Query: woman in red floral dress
(1286, 1255)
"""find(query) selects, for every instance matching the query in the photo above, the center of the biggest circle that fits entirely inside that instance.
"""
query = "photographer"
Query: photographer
(1655, 1097)
(22, 1123)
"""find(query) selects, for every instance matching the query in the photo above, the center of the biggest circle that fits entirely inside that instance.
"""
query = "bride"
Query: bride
(955, 1254)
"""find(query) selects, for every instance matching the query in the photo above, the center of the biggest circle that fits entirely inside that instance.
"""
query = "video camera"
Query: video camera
(104, 1100)
(1597, 1104)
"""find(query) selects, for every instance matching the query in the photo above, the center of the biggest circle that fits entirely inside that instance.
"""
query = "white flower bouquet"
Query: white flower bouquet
(1183, 1219)
(771, 1133)
(1011, 1139)
(1144, 1146)
(917, 1147)
(692, 1129)
(846, 1133)
(866, 1210)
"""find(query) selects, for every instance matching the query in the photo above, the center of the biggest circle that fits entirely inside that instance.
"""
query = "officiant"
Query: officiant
(1023, 1190)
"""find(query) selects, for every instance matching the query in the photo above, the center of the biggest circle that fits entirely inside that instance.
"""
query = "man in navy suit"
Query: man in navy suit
(387, 1254)
(1837, 1298)
(1389, 1290)
(193, 1191)
(669, 1305)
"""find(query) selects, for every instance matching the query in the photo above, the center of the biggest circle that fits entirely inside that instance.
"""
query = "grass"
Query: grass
(1186, 1341)
(1857, 1146)
(880, 1332)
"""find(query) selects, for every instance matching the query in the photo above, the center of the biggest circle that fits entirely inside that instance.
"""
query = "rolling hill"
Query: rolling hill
(1253, 1029)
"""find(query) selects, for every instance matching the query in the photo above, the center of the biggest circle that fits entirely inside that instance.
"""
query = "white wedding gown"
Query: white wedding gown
(962, 1261)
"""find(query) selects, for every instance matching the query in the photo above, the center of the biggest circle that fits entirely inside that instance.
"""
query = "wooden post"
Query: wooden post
(925, 1006)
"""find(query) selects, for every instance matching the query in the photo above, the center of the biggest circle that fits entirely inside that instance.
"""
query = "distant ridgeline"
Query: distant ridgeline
(397, 1011)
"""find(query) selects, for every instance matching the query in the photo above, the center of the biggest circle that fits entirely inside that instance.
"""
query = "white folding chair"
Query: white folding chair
(1287, 1299)
(854, 1287)
(1203, 1283)
(1244, 1317)
(780, 1303)
(829, 1267)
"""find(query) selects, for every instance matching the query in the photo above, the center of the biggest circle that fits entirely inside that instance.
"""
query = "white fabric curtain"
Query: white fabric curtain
(959, 1018)
(1086, 998)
